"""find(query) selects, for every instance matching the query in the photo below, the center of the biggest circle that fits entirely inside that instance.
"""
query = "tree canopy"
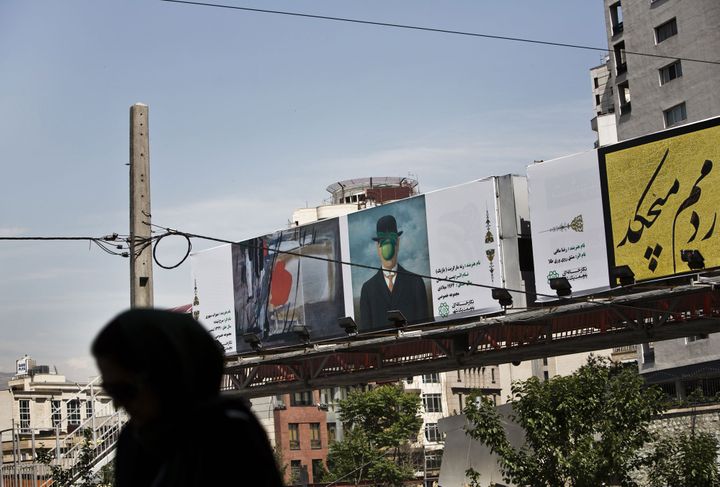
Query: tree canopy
(379, 426)
(581, 430)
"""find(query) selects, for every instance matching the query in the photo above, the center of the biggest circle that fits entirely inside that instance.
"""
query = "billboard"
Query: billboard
(431, 257)
(661, 196)
(568, 225)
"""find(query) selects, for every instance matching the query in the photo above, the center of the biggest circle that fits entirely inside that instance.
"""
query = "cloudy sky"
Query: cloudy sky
(252, 115)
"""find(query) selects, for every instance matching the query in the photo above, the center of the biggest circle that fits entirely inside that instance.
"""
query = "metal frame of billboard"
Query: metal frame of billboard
(587, 325)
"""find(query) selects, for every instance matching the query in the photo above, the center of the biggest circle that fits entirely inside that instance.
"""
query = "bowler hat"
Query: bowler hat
(386, 227)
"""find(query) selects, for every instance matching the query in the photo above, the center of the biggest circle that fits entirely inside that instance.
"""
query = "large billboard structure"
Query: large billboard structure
(662, 198)
(648, 206)
(431, 257)
(568, 225)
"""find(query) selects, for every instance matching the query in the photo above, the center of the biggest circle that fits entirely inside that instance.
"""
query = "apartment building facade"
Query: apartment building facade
(669, 86)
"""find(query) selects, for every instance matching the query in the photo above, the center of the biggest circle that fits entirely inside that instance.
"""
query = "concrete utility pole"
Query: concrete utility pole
(141, 280)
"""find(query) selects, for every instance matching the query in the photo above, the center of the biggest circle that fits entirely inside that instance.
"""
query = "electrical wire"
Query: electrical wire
(106, 244)
(436, 30)
(188, 236)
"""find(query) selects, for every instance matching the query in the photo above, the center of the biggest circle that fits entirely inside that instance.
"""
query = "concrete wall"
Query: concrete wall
(681, 352)
(698, 37)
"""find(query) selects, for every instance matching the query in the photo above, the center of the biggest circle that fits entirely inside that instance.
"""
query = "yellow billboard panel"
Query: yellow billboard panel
(662, 199)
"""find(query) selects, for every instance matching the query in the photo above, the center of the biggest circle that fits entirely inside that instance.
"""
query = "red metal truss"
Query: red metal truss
(564, 327)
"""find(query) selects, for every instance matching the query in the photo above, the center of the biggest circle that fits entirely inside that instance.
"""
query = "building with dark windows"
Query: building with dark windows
(603, 122)
(651, 93)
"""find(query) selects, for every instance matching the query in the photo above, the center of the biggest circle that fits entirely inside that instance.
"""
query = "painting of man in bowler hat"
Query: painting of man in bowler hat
(392, 287)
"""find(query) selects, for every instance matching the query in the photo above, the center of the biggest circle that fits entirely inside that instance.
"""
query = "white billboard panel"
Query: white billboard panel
(213, 301)
(568, 227)
(464, 245)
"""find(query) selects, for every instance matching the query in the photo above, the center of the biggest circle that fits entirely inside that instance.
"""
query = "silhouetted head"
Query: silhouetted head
(157, 363)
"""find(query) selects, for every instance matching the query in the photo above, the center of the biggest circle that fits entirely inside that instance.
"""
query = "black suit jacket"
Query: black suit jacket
(408, 295)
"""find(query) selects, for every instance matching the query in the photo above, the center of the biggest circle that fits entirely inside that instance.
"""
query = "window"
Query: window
(648, 353)
(616, 18)
(24, 414)
(315, 442)
(670, 72)
(317, 469)
(597, 82)
(545, 362)
(433, 459)
(432, 403)
(666, 30)
(88, 409)
(326, 395)
(332, 432)
(433, 378)
(624, 95)
(55, 413)
(546, 375)
(73, 412)
(296, 471)
(620, 60)
(675, 115)
(492, 375)
(303, 398)
(432, 433)
(294, 429)
(695, 338)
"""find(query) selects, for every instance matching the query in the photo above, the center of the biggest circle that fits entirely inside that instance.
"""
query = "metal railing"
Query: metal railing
(99, 432)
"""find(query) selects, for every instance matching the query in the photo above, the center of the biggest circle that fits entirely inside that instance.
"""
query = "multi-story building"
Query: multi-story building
(40, 408)
(301, 435)
(355, 194)
(603, 104)
(669, 86)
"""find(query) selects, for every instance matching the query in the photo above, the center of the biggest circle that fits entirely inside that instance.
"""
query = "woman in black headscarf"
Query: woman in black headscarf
(165, 370)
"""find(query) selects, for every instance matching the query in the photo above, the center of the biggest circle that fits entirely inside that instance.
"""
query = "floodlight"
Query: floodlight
(396, 318)
(253, 339)
(348, 324)
(302, 331)
(694, 259)
(502, 296)
(623, 274)
(561, 286)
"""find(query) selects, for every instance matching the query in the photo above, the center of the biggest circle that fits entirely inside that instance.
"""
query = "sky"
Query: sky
(252, 115)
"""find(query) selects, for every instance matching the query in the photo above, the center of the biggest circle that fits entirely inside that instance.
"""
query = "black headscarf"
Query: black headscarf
(171, 351)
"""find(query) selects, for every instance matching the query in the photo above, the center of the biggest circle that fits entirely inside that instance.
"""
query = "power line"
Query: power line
(436, 30)
(109, 244)
(188, 236)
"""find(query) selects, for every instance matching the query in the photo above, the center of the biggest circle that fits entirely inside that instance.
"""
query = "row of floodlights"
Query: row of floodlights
(395, 318)
(622, 275)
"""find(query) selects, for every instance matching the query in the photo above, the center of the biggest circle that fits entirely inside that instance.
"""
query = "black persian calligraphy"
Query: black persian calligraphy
(640, 222)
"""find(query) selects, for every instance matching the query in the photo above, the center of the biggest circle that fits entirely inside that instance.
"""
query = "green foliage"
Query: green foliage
(379, 426)
(582, 430)
(279, 461)
(82, 470)
(685, 460)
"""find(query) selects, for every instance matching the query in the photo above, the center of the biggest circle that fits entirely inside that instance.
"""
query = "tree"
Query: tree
(581, 430)
(82, 471)
(379, 426)
(687, 459)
